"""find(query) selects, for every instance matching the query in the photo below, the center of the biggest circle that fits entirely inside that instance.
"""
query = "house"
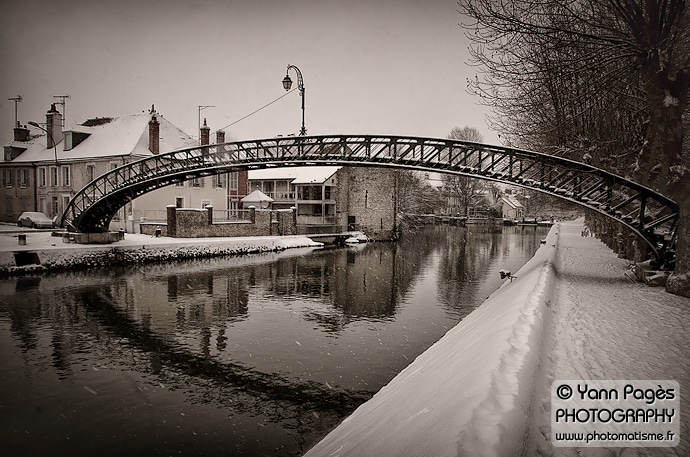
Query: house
(42, 172)
(511, 207)
(334, 198)
(308, 189)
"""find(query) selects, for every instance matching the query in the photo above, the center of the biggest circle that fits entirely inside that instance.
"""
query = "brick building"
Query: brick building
(43, 168)
(334, 198)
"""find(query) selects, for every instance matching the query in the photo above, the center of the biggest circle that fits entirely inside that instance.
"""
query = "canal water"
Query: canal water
(257, 355)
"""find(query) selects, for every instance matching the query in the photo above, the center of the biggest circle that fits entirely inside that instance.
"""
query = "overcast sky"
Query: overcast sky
(369, 66)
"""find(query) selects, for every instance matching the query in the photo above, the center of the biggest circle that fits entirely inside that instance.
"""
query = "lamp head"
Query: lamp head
(35, 124)
(287, 82)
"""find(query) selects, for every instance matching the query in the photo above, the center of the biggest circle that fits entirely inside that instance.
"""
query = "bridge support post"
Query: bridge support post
(172, 220)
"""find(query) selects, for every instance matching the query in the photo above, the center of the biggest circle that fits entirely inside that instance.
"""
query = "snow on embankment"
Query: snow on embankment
(135, 249)
(470, 393)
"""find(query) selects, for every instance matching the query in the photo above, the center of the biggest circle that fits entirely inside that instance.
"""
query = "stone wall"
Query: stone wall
(370, 196)
(198, 223)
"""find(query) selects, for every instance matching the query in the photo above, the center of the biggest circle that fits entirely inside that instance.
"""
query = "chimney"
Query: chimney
(154, 133)
(21, 133)
(53, 126)
(205, 133)
(220, 137)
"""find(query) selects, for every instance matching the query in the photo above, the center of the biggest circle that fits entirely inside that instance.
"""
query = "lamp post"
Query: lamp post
(287, 84)
(35, 124)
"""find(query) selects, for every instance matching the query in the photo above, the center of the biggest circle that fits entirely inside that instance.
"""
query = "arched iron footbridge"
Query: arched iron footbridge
(641, 209)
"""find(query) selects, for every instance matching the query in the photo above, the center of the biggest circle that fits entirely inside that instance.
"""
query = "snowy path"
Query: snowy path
(602, 326)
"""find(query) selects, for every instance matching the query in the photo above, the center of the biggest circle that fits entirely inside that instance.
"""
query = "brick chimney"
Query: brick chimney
(220, 137)
(53, 126)
(205, 133)
(21, 133)
(154, 133)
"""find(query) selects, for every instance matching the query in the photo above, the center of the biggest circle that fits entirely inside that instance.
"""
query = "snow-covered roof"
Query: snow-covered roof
(296, 175)
(512, 201)
(257, 196)
(122, 136)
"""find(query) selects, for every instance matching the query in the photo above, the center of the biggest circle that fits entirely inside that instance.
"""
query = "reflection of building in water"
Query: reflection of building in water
(175, 306)
(339, 286)
(366, 290)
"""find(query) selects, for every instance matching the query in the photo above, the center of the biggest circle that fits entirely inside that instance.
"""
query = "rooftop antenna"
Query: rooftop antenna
(16, 101)
(64, 107)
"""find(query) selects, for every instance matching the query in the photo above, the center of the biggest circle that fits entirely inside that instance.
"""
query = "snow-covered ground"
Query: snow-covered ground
(53, 253)
(484, 388)
(604, 326)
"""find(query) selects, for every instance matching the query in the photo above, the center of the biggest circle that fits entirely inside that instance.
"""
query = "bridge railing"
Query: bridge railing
(643, 210)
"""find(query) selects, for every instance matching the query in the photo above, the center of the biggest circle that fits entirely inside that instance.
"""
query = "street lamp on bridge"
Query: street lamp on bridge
(37, 125)
(287, 84)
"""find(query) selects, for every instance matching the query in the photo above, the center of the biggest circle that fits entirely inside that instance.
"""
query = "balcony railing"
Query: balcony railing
(282, 196)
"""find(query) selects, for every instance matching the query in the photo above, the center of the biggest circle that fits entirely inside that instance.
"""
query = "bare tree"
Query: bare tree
(466, 134)
(415, 195)
(462, 191)
(600, 80)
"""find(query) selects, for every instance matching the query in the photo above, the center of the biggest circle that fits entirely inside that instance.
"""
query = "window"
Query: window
(23, 204)
(197, 182)
(205, 203)
(42, 177)
(8, 205)
(42, 205)
(113, 165)
(311, 193)
(8, 177)
(65, 176)
(220, 180)
(23, 177)
(53, 176)
(234, 178)
(90, 172)
(65, 201)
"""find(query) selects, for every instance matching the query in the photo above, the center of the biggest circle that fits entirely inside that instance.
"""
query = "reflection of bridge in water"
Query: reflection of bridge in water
(642, 210)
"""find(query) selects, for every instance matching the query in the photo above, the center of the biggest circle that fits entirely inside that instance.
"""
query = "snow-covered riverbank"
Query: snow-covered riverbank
(484, 388)
(52, 254)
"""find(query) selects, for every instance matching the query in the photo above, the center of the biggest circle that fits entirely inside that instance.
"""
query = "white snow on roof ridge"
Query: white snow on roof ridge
(296, 175)
(512, 201)
(126, 135)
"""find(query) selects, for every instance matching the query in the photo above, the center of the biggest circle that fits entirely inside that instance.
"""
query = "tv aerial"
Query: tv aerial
(61, 101)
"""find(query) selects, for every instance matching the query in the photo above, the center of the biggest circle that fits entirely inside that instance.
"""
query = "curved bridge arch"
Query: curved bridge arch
(639, 208)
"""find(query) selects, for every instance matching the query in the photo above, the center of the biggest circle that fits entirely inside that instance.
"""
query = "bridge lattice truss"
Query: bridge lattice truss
(643, 210)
